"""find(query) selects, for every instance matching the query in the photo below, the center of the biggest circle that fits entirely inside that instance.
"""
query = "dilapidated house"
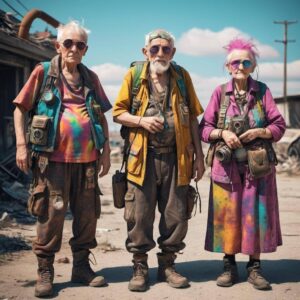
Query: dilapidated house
(20, 51)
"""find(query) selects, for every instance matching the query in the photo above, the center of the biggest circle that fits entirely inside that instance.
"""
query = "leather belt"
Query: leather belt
(162, 150)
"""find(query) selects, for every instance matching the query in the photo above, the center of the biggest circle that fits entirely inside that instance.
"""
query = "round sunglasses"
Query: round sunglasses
(236, 63)
(155, 49)
(68, 43)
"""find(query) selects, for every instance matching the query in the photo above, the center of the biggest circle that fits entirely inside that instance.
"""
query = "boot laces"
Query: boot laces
(257, 273)
(139, 269)
(46, 275)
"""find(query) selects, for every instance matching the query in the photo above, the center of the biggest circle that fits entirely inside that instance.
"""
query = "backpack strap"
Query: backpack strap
(225, 99)
(180, 81)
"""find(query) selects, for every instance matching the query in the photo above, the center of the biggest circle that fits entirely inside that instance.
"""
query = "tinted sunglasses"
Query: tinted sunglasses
(68, 43)
(236, 63)
(155, 49)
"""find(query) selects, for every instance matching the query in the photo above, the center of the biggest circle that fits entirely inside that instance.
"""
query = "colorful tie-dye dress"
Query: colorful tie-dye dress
(243, 215)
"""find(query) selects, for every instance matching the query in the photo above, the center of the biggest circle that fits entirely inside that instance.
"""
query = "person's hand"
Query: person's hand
(250, 135)
(198, 168)
(231, 139)
(152, 124)
(22, 158)
(104, 162)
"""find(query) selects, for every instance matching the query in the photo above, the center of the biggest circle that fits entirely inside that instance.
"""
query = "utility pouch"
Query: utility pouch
(37, 204)
(119, 187)
(258, 162)
(39, 130)
(184, 114)
(129, 211)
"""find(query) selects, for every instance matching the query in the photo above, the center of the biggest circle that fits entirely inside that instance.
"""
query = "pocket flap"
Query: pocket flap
(40, 121)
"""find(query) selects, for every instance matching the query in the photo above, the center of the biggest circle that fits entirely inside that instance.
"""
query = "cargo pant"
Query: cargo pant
(140, 203)
(64, 184)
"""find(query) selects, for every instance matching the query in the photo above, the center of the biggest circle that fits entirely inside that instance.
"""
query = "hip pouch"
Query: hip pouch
(258, 162)
(39, 130)
(119, 187)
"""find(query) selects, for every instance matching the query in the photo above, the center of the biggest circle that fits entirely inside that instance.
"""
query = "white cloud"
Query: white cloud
(275, 70)
(110, 73)
(205, 42)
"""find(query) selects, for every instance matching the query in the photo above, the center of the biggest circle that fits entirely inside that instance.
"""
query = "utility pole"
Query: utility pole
(285, 41)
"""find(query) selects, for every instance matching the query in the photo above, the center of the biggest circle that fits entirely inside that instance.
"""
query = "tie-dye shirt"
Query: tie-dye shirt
(74, 143)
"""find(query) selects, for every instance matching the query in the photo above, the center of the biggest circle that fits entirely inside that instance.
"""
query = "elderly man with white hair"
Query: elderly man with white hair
(164, 155)
(68, 149)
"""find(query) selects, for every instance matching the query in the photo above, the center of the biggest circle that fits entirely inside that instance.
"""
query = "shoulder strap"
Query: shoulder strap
(180, 80)
(223, 107)
(137, 70)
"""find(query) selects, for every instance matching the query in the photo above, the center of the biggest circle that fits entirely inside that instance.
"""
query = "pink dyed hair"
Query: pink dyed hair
(241, 44)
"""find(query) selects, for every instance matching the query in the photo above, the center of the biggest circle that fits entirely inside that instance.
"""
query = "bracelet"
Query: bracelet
(22, 144)
(220, 133)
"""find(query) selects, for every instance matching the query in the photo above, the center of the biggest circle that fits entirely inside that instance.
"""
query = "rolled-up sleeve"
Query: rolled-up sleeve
(276, 122)
(210, 118)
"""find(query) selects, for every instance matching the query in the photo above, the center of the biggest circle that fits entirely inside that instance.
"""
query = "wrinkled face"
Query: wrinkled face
(160, 53)
(241, 64)
(72, 47)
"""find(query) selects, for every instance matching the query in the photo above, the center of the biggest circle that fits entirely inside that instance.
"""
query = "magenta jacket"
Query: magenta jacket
(228, 173)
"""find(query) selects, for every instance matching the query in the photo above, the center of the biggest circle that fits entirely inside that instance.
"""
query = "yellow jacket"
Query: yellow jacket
(136, 164)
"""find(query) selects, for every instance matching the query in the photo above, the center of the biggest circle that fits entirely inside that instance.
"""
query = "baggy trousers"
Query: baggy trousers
(64, 184)
(140, 204)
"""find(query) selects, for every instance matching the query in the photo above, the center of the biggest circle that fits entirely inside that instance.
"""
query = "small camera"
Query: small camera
(239, 124)
(223, 153)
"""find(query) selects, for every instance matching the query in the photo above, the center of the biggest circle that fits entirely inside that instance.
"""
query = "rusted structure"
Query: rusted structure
(19, 53)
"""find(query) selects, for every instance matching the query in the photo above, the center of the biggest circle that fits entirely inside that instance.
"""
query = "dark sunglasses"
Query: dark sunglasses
(236, 63)
(155, 49)
(68, 43)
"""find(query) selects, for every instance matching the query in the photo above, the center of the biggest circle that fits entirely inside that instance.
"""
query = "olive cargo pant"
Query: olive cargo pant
(60, 185)
(140, 203)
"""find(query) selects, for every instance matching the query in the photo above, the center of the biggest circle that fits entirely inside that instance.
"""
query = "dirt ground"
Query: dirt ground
(282, 268)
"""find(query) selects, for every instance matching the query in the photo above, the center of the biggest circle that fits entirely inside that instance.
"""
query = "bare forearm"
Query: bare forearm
(128, 120)
(19, 122)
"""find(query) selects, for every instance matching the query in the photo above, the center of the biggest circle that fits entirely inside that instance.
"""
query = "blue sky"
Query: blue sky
(201, 29)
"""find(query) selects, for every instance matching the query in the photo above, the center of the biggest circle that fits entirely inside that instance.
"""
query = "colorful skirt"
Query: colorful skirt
(243, 218)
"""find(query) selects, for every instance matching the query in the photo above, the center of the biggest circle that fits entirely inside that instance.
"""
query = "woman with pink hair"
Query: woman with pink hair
(241, 122)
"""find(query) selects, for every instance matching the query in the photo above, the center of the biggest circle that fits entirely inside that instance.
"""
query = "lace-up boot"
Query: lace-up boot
(166, 271)
(44, 283)
(255, 276)
(140, 277)
(82, 272)
(230, 274)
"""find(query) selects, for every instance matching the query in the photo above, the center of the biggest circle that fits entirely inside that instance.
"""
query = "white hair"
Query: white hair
(73, 26)
(159, 33)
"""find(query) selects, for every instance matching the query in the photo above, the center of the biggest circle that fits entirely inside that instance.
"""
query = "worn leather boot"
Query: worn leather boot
(256, 278)
(140, 277)
(44, 283)
(82, 272)
(230, 274)
(166, 271)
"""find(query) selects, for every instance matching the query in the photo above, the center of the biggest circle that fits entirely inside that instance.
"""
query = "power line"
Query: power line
(11, 7)
(19, 1)
(285, 41)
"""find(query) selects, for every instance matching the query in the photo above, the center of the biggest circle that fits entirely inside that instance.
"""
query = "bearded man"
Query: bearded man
(164, 155)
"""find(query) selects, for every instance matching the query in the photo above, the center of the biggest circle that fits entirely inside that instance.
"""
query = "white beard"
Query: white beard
(158, 67)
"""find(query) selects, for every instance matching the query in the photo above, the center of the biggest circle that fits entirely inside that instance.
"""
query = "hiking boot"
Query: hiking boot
(255, 277)
(82, 272)
(140, 277)
(44, 283)
(166, 271)
(230, 274)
